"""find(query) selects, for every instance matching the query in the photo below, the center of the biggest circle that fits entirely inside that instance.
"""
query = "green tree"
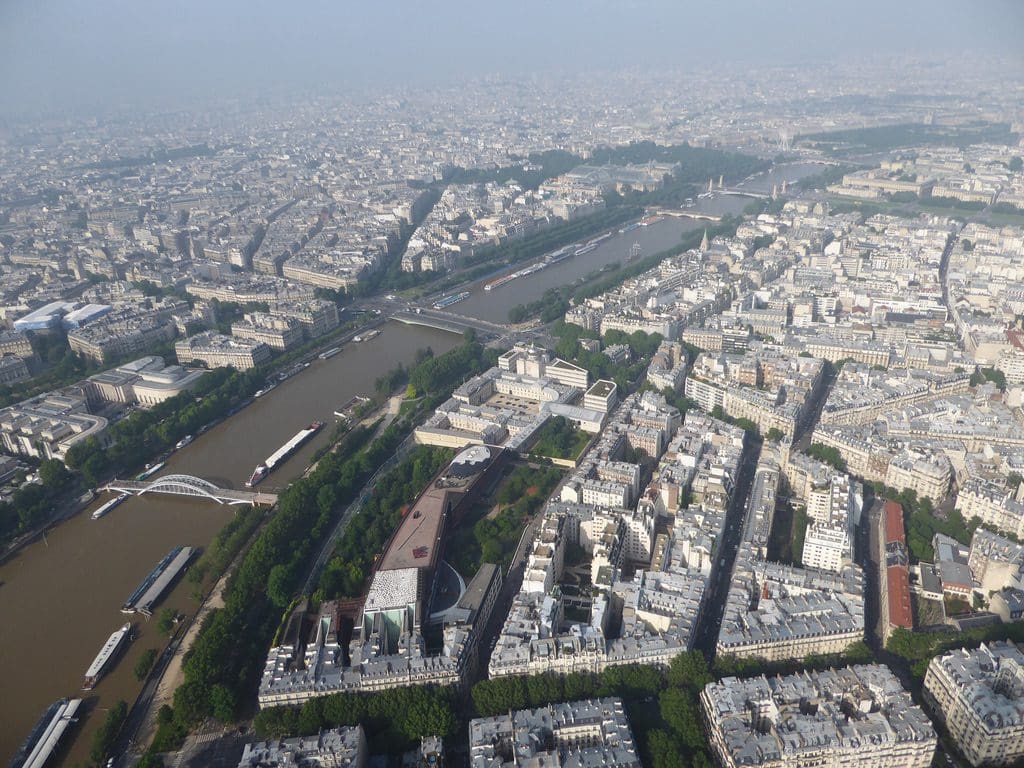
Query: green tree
(105, 735)
(145, 663)
(679, 709)
(426, 717)
(1016, 163)
(222, 703)
(689, 670)
(827, 454)
(326, 499)
(664, 751)
(311, 716)
(54, 474)
(279, 586)
(165, 623)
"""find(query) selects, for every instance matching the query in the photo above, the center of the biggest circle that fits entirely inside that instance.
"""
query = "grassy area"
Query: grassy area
(851, 141)
(928, 612)
(463, 550)
(955, 606)
(483, 538)
(559, 439)
(842, 204)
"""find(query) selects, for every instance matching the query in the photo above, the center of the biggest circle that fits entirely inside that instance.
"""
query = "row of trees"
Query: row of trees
(369, 530)
(662, 706)
(226, 544)
(223, 664)
(917, 649)
(394, 719)
(731, 666)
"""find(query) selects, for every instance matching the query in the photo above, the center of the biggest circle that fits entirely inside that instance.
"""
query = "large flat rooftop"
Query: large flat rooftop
(419, 538)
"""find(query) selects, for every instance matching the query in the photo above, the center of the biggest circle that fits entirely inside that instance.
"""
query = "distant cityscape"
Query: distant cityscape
(753, 499)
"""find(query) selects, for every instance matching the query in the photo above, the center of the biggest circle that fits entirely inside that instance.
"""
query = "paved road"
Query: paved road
(868, 557)
(804, 430)
(125, 742)
(706, 633)
(212, 746)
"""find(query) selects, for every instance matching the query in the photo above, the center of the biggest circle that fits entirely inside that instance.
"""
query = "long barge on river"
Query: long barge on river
(109, 505)
(106, 655)
(148, 472)
(156, 583)
(282, 453)
(447, 301)
(45, 737)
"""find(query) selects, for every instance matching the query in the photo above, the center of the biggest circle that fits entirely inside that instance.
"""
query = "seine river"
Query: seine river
(60, 596)
(494, 305)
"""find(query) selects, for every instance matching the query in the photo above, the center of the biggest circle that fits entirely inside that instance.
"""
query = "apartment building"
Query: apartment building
(840, 718)
(215, 350)
(979, 696)
(594, 732)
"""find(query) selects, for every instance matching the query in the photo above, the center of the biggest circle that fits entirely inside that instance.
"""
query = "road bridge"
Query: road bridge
(447, 321)
(188, 485)
(684, 214)
(745, 193)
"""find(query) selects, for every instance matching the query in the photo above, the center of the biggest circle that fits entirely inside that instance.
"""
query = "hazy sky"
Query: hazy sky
(98, 52)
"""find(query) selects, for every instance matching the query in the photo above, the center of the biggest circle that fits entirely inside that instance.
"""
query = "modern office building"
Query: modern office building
(411, 589)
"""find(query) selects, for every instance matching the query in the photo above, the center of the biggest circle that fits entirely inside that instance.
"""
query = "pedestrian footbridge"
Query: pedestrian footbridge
(188, 485)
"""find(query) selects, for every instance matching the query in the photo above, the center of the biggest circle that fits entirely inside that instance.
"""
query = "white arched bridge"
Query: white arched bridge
(188, 485)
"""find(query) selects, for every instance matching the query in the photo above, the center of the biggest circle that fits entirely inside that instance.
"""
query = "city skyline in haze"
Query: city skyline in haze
(116, 54)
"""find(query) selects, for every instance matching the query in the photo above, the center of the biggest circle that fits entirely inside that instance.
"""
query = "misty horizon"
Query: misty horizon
(116, 55)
